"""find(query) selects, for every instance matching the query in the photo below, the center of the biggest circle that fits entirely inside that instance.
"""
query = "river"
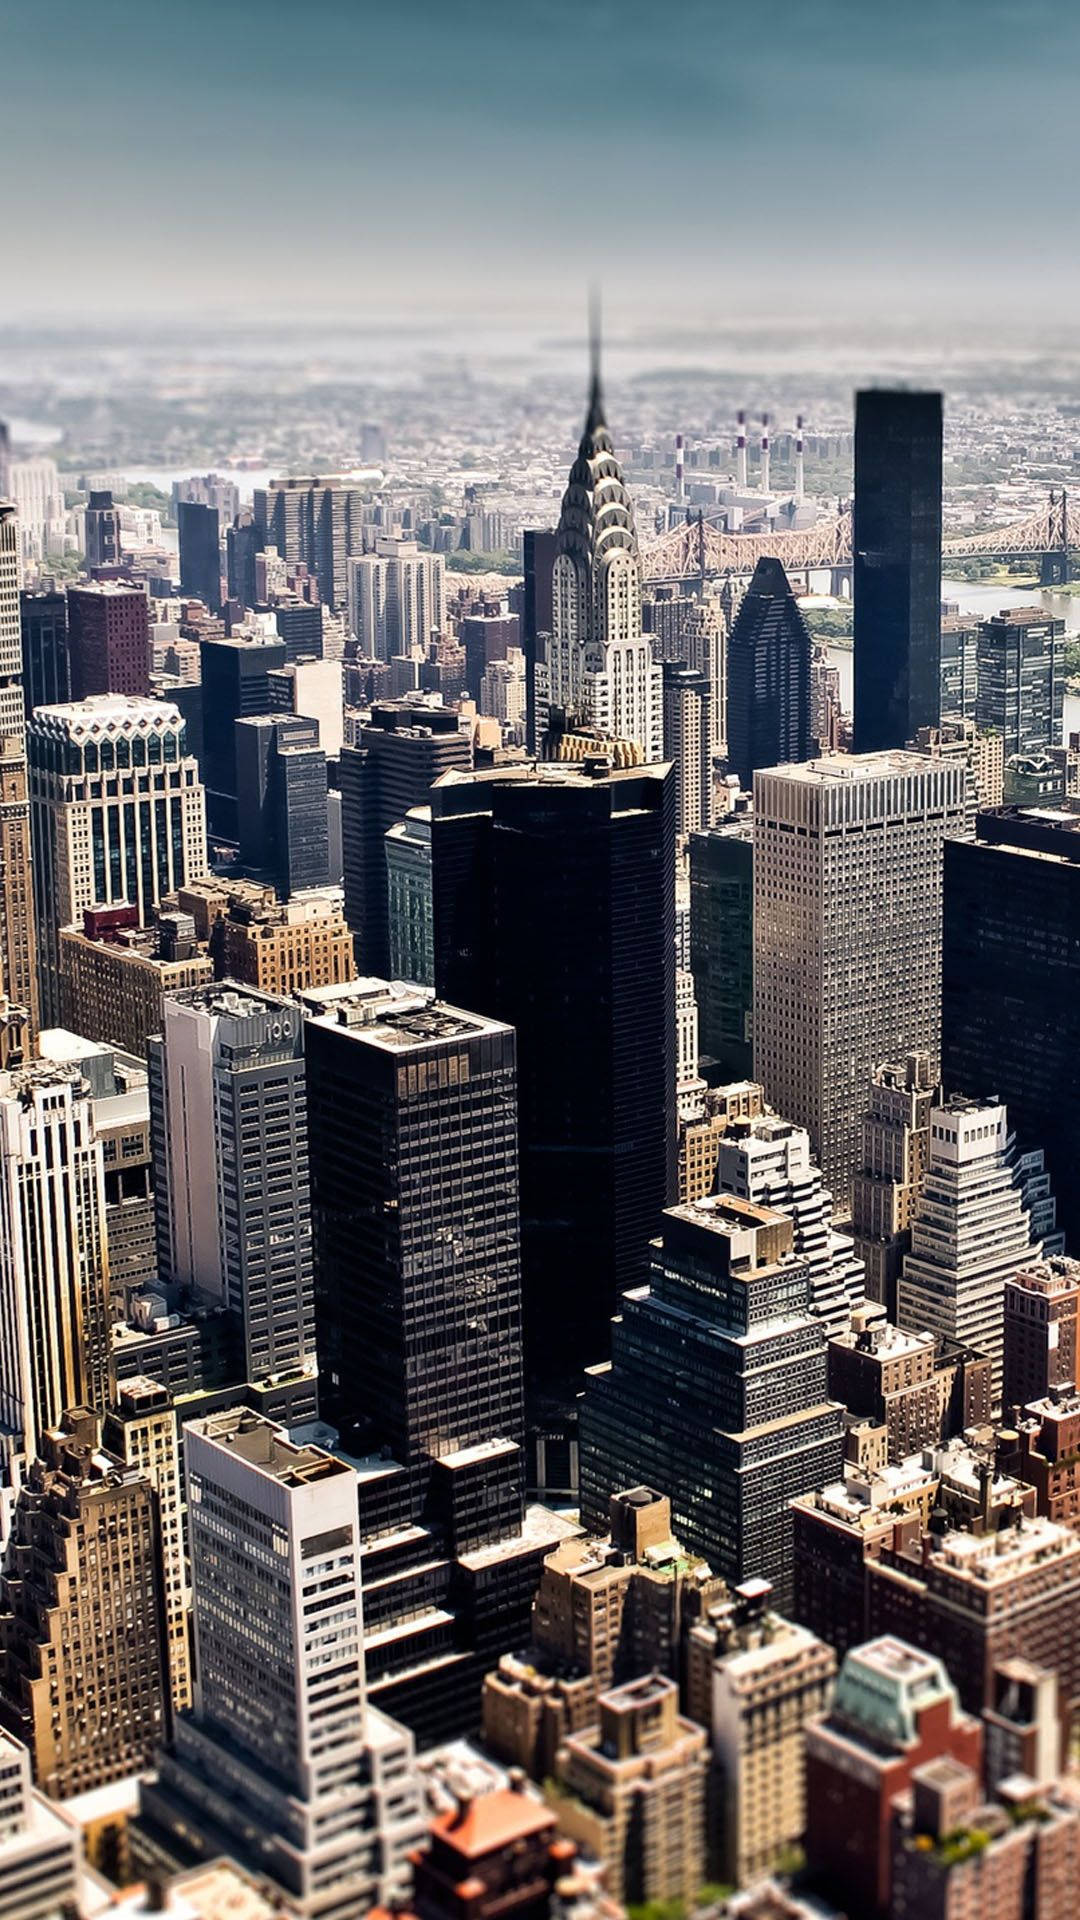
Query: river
(983, 598)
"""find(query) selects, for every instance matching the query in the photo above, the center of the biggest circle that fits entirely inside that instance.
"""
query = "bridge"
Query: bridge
(697, 551)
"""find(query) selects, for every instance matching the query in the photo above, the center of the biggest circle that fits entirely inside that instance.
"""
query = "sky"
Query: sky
(703, 160)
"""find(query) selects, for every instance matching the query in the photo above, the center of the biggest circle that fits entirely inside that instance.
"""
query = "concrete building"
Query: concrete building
(596, 664)
(18, 978)
(768, 1162)
(1041, 1311)
(716, 1390)
(230, 1141)
(54, 1267)
(1041, 1447)
(700, 1135)
(284, 946)
(109, 639)
(894, 1708)
(918, 1387)
(688, 747)
(756, 1681)
(115, 975)
(634, 1792)
(317, 522)
(84, 1678)
(985, 1210)
(140, 1430)
(892, 1164)
(94, 847)
(397, 598)
(303, 1782)
(847, 935)
(410, 901)
(957, 1854)
(39, 1847)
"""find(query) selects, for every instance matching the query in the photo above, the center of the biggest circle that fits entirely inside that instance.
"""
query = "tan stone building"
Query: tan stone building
(83, 1666)
(632, 1788)
(112, 986)
(141, 1431)
(700, 1137)
(756, 1681)
(286, 946)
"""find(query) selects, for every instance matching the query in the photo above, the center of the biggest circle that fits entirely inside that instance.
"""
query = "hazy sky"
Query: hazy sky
(702, 159)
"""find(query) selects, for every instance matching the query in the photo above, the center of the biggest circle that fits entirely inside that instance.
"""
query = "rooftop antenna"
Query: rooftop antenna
(596, 403)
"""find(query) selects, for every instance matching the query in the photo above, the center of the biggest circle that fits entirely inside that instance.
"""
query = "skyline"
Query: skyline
(808, 154)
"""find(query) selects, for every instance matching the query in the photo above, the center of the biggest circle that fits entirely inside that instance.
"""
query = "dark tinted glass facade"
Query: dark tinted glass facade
(722, 947)
(768, 666)
(46, 673)
(1021, 669)
(897, 567)
(200, 552)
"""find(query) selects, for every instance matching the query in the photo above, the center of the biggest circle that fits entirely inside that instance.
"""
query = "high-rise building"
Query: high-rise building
(894, 1708)
(716, 1390)
(768, 677)
(688, 746)
(756, 1681)
(54, 1267)
(281, 813)
(102, 535)
(118, 814)
(1011, 982)
(140, 1431)
(597, 665)
(959, 665)
(635, 1787)
(983, 1212)
(1041, 1331)
(494, 1853)
(39, 1847)
(108, 639)
(317, 522)
(284, 946)
(229, 1129)
(46, 673)
(200, 552)
(956, 1851)
(914, 1390)
(1021, 679)
(397, 599)
(722, 944)
(896, 536)
(847, 934)
(84, 1677)
(18, 976)
(241, 546)
(538, 560)
(554, 911)
(413, 1121)
(312, 688)
(486, 637)
(768, 1162)
(235, 684)
(895, 1144)
(410, 906)
(398, 755)
(282, 1762)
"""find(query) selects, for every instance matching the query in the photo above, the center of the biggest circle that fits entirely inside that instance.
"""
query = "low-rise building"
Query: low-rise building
(922, 1388)
(39, 1848)
(115, 975)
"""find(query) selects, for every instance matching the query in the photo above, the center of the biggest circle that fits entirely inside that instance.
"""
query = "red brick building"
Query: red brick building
(108, 639)
(492, 1856)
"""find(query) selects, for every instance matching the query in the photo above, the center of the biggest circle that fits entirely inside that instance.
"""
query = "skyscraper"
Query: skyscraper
(722, 944)
(688, 746)
(282, 1759)
(241, 546)
(140, 1431)
(108, 639)
(1021, 679)
(235, 684)
(18, 957)
(281, 801)
(554, 911)
(1041, 1332)
(847, 934)
(716, 1391)
(597, 665)
(102, 534)
(319, 522)
(397, 757)
(39, 1847)
(984, 1212)
(959, 642)
(537, 559)
(892, 1162)
(410, 907)
(1011, 982)
(396, 598)
(45, 668)
(200, 552)
(897, 574)
(54, 1268)
(118, 816)
(83, 1666)
(768, 677)
(229, 1130)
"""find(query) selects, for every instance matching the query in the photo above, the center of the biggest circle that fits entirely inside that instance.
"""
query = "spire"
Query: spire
(596, 398)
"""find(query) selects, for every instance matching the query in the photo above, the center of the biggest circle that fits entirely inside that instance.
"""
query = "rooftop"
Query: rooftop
(393, 1015)
(267, 1447)
(492, 1821)
(105, 712)
(849, 768)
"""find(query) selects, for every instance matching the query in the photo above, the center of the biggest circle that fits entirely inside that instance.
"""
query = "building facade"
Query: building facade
(896, 539)
(109, 639)
(769, 718)
(887, 1182)
(1021, 679)
(18, 932)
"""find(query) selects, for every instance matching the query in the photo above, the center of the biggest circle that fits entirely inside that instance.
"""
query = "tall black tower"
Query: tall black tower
(200, 552)
(897, 567)
(768, 677)
(554, 911)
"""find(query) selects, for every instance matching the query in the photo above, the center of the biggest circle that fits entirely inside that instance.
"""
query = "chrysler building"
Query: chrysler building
(596, 665)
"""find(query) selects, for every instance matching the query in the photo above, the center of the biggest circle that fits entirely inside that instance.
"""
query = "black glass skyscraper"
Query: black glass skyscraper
(281, 801)
(234, 684)
(897, 567)
(45, 668)
(768, 677)
(200, 552)
(1010, 1011)
(242, 543)
(554, 911)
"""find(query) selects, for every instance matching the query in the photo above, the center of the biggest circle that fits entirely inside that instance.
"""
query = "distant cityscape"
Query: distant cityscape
(539, 1229)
